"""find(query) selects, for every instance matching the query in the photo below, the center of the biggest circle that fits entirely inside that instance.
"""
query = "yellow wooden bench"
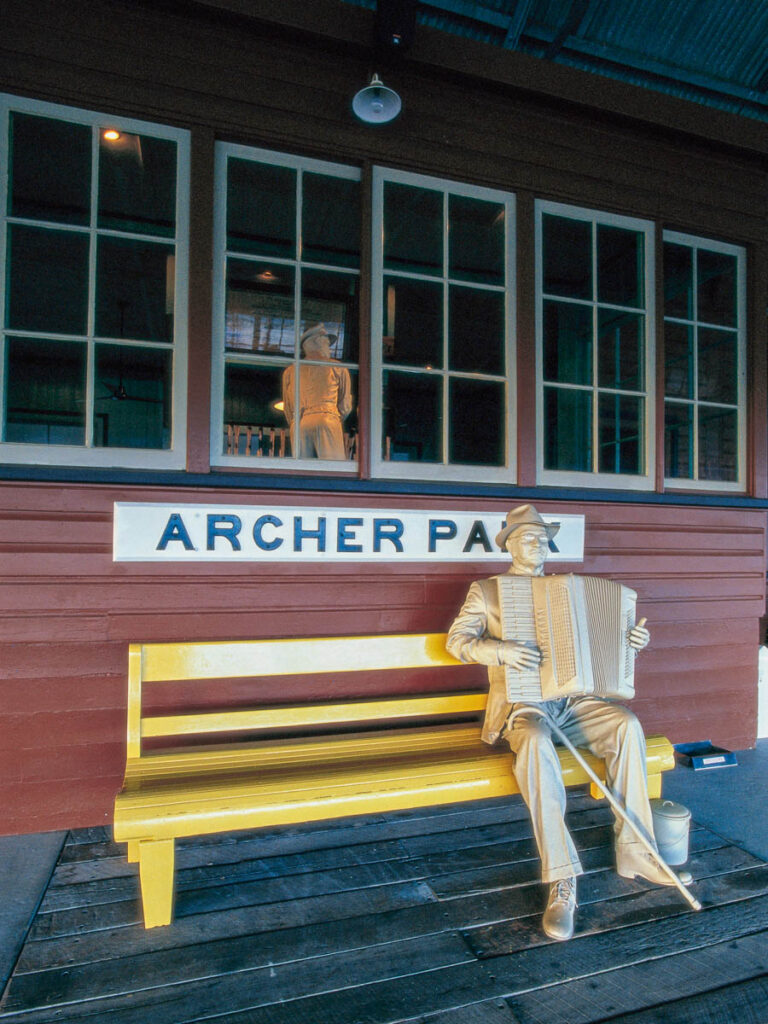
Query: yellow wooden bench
(244, 782)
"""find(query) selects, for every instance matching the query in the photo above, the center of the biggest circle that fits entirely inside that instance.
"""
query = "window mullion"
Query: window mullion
(90, 329)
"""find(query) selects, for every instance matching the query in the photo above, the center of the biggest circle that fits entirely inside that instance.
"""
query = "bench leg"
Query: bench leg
(654, 786)
(156, 864)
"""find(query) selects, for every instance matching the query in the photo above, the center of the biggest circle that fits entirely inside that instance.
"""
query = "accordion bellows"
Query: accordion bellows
(580, 624)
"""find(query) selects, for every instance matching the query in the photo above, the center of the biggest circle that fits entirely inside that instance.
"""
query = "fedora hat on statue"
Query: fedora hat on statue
(524, 515)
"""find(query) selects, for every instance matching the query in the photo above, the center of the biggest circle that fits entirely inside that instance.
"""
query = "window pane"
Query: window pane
(133, 400)
(678, 360)
(620, 350)
(137, 184)
(332, 299)
(476, 330)
(413, 322)
(621, 432)
(134, 290)
(50, 170)
(718, 444)
(476, 249)
(717, 287)
(678, 281)
(261, 208)
(45, 391)
(260, 308)
(717, 366)
(620, 259)
(477, 422)
(48, 288)
(568, 429)
(412, 417)
(678, 441)
(567, 257)
(567, 343)
(330, 220)
(254, 419)
(413, 229)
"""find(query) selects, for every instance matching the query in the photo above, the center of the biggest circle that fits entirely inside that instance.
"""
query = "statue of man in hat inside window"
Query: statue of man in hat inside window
(325, 398)
(608, 729)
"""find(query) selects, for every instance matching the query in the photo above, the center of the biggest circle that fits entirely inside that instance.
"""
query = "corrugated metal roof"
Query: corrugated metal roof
(709, 51)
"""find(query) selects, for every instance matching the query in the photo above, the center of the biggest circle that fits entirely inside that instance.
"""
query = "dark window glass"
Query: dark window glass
(620, 350)
(678, 440)
(567, 257)
(718, 355)
(476, 330)
(254, 421)
(413, 323)
(476, 246)
(620, 258)
(621, 434)
(567, 343)
(678, 281)
(137, 184)
(718, 444)
(332, 299)
(477, 422)
(716, 274)
(330, 220)
(132, 408)
(568, 429)
(45, 391)
(48, 286)
(50, 165)
(412, 417)
(134, 290)
(261, 209)
(413, 229)
(260, 308)
(678, 360)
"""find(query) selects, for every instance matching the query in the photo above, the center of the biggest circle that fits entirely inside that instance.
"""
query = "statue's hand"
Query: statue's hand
(518, 655)
(638, 637)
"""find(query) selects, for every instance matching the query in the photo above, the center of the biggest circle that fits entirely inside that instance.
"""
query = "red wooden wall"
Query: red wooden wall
(68, 612)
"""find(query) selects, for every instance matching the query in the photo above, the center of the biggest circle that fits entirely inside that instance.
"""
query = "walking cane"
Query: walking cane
(529, 709)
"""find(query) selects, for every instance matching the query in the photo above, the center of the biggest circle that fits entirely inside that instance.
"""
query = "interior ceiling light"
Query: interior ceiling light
(111, 134)
(376, 104)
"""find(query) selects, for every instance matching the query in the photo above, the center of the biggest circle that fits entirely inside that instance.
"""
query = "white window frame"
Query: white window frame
(571, 478)
(175, 456)
(221, 358)
(697, 242)
(442, 470)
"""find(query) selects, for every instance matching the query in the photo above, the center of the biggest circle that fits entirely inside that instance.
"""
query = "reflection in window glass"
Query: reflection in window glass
(134, 290)
(261, 208)
(48, 280)
(678, 440)
(678, 360)
(132, 407)
(718, 381)
(620, 350)
(260, 308)
(413, 233)
(331, 223)
(716, 288)
(718, 444)
(137, 184)
(678, 281)
(50, 164)
(568, 429)
(45, 391)
(412, 417)
(476, 247)
(413, 322)
(567, 255)
(620, 260)
(567, 343)
(476, 330)
(477, 422)
(621, 434)
(332, 299)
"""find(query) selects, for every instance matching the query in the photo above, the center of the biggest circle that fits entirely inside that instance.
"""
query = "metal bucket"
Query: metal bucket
(671, 823)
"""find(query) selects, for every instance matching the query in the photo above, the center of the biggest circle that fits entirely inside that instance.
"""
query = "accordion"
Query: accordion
(580, 625)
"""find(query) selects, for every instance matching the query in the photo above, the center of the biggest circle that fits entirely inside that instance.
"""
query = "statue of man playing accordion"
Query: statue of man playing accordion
(606, 728)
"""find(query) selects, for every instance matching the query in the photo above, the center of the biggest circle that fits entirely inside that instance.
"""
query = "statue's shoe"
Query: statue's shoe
(638, 863)
(557, 921)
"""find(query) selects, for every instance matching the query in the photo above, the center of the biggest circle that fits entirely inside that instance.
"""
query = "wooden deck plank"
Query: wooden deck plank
(743, 1003)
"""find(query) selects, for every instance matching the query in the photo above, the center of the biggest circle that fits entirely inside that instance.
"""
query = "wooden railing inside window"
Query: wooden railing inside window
(270, 441)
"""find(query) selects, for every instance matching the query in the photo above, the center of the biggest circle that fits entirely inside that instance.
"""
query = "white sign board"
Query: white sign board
(164, 532)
